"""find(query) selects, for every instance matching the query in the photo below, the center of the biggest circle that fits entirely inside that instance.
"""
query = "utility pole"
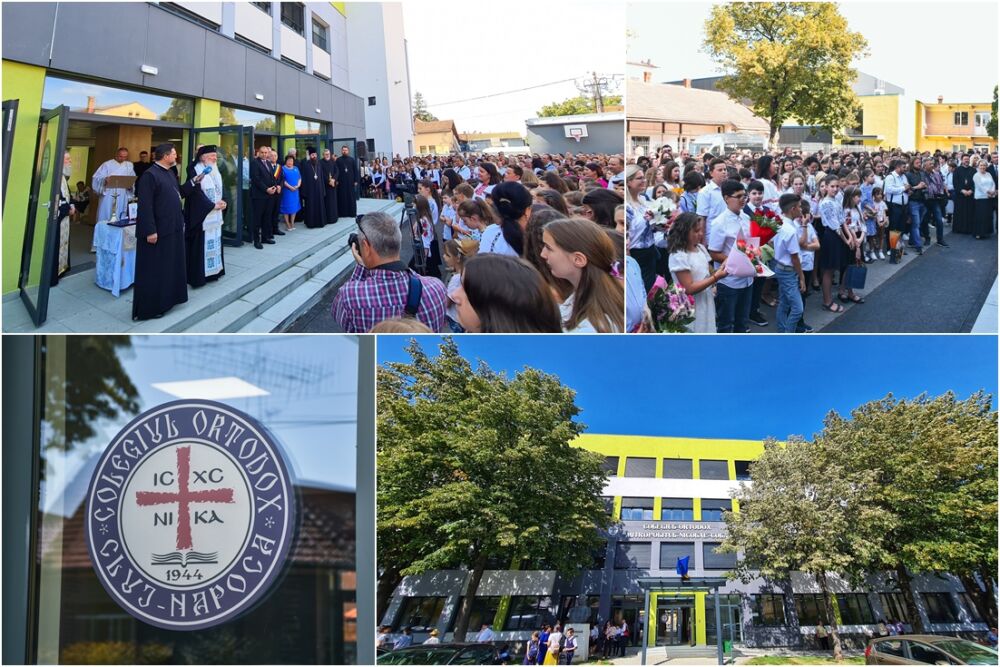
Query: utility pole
(596, 86)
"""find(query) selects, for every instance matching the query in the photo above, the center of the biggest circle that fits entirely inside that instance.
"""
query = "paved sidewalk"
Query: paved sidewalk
(986, 323)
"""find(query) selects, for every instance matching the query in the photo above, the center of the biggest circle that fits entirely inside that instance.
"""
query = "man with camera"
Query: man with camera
(382, 287)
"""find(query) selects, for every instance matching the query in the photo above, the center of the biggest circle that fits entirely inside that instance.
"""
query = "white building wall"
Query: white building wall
(378, 68)
(293, 46)
(209, 10)
(254, 25)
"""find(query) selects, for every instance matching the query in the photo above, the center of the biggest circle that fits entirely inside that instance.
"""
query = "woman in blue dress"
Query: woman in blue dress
(290, 204)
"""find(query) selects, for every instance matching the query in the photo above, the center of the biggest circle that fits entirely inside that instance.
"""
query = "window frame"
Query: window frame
(265, 7)
(289, 21)
(721, 511)
(762, 602)
(688, 510)
(405, 606)
(690, 468)
(708, 549)
(852, 611)
(325, 30)
(635, 566)
(713, 464)
(933, 599)
(640, 460)
(816, 599)
(960, 119)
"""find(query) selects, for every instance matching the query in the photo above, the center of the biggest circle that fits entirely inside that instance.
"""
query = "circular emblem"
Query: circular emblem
(190, 515)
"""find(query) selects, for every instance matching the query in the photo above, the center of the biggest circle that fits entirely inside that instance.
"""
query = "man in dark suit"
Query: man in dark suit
(262, 189)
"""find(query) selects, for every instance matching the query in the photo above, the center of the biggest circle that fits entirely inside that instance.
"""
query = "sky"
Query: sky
(683, 386)
(460, 50)
(896, 34)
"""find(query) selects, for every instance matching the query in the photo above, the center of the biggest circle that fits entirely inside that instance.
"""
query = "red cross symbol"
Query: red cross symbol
(184, 498)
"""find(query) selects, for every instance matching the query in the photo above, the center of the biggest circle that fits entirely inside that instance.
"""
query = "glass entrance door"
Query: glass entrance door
(675, 623)
(301, 143)
(41, 231)
(235, 150)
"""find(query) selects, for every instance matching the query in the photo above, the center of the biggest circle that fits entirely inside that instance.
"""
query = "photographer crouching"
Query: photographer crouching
(382, 287)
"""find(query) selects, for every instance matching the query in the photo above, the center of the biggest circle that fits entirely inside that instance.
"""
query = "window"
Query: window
(632, 555)
(742, 471)
(321, 35)
(87, 97)
(894, 607)
(892, 647)
(959, 148)
(677, 468)
(263, 6)
(811, 609)
(677, 509)
(970, 606)
(854, 609)
(637, 467)
(714, 469)
(637, 509)
(671, 551)
(484, 610)
(419, 613)
(768, 609)
(640, 145)
(982, 118)
(293, 15)
(711, 510)
(371, 101)
(423, 149)
(716, 561)
(610, 462)
(924, 654)
(528, 612)
(941, 607)
(609, 504)
(370, 143)
(961, 118)
(289, 61)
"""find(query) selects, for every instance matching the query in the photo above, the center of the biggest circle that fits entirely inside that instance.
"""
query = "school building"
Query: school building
(668, 496)
(953, 126)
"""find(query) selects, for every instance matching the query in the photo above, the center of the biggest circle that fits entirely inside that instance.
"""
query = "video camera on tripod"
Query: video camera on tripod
(411, 247)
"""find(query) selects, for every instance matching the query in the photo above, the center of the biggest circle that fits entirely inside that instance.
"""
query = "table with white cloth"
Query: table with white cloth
(115, 246)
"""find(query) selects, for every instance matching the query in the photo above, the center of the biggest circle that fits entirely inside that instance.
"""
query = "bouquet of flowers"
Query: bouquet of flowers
(764, 224)
(671, 308)
(746, 260)
(663, 210)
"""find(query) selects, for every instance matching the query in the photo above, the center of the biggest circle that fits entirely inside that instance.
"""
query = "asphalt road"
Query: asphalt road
(941, 292)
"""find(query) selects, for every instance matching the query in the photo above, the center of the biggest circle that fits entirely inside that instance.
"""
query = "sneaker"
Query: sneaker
(803, 328)
(920, 251)
(942, 244)
(758, 319)
(881, 255)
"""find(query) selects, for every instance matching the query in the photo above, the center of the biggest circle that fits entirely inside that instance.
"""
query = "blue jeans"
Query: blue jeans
(917, 210)
(935, 211)
(789, 300)
(732, 308)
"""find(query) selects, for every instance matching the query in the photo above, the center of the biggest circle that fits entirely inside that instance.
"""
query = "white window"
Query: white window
(982, 118)
(958, 148)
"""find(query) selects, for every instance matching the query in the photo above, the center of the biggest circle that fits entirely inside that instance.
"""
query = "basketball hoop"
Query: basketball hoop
(576, 133)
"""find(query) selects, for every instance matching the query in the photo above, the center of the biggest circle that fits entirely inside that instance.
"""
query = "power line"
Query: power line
(508, 92)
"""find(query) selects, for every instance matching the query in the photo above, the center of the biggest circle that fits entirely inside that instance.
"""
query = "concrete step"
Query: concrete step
(233, 310)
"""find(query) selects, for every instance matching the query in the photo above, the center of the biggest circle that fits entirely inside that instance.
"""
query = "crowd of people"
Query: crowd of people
(805, 223)
(502, 244)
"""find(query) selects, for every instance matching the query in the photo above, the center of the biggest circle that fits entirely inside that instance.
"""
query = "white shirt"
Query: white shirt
(786, 241)
(640, 234)
(808, 257)
(635, 296)
(464, 172)
(831, 213)
(725, 230)
(485, 635)
(895, 189)
(584, 326)
(771, 195)
(710, 205)
(493, 241)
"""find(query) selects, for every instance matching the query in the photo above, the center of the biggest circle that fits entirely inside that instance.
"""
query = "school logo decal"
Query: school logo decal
(190, 515)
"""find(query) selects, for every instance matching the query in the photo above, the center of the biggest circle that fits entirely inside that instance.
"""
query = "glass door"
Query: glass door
(301, 143)
(9, 119)
(235, 149)
(41, 230)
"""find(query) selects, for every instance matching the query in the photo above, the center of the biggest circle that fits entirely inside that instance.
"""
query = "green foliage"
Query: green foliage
(227, 116)
(420, 111)
(789, 59)
(576, 106)
(803, 660)
(991, 127)
(474, 465)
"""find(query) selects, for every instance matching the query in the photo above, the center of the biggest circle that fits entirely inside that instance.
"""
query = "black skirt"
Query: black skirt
(982, 221)
(830, 250)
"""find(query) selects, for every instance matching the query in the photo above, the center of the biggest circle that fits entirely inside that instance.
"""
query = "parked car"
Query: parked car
(442, 654)
(927, 650)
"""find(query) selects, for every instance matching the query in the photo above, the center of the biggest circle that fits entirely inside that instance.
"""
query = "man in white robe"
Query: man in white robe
(119, 166)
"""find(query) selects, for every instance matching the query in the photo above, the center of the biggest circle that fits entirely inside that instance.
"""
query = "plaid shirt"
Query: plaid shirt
(373, 295)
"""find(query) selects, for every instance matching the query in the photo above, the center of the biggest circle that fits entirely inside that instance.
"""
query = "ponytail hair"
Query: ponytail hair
(511, 200)
(435, 192)
(478, 208)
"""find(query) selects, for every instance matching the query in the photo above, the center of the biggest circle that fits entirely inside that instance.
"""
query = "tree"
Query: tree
(789, 59)
(179, 111)
(935, 461)
(474, 465)
(575, 106)
(420, 111)
(227, 116)
(806, 511)
(991, 127)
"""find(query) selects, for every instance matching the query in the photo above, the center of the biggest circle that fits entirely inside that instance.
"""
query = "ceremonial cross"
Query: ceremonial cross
(184, 498)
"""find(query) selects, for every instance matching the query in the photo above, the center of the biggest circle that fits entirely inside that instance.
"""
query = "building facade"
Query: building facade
(662, 114)
(953, 126)
(235, 74)
(435, 137)
(667, 497)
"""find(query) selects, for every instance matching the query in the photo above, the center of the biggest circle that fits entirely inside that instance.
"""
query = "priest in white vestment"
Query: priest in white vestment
(119, 166)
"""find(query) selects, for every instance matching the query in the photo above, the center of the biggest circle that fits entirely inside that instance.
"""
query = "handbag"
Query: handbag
(855, 276)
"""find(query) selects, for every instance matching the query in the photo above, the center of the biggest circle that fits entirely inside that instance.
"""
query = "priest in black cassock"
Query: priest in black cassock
(312, 188)
(965, 202)
(330, 189)
(160, 269)
(347, 184)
